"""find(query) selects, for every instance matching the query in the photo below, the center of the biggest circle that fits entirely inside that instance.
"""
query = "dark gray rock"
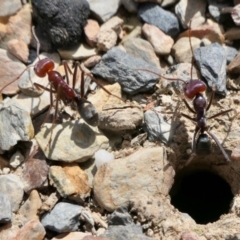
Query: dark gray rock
(120, 217)
(231, 53)
(211, 61)
(153, 14)
(215, 9)
(118, 66)
(63, 21)
(5, 213)
(129, 232)
(156, 127)
(64, 217)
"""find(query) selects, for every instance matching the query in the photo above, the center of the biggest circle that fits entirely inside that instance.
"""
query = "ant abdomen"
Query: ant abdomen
(43, 66)
(193, 87)
(87, 111)
(203, 145)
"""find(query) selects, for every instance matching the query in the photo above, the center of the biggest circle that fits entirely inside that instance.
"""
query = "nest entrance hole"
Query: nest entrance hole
(201, 193)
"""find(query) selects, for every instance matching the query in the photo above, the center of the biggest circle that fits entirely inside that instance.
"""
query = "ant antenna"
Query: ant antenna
(170, 79)
(38, 43)
(189, 32)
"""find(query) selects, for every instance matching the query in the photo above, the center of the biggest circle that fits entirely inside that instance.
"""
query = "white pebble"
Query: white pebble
(102, 156)
(16, 159)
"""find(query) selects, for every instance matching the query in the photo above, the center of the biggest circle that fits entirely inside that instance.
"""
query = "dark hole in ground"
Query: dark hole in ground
(202, 194)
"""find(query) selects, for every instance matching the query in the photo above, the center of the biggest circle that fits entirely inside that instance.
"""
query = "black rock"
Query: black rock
(211, 61)
(63, 21)
(155, 15)
(119, 66)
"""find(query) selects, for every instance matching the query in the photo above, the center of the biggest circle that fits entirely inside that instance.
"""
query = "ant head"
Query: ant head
(193, 87)
(43, 66)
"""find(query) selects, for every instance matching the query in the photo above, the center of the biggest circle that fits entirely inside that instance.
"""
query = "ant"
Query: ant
(193, 90)
(61, 88)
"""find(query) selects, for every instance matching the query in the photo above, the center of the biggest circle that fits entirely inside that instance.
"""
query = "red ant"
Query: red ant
(62, 89)
(193, 90)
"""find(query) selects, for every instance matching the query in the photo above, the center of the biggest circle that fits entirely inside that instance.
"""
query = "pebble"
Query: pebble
(120, 117)
(71, 181)
(10, 70)
(102, 156)
(195, 13)
(118, 66)
(15, 120)
(111, 190)
(9, 8)
(101, 12)
(18, 27)
(130, 232)
(33, 230)
(92, 61)
(130, 5)
(72, 236)
(120, 217)
(215, 9)
(213, 71)
(141, 48)
(153, 14)
(231, 53)
(234, 66)
(188, 235)
(12, 187)
(162, 43)
(91, 30)
(63, 218)
(19, 49)
(34, 172)
(77, 52)
(6, 211)
(108, 34)
(16, 159)
(31, 207)
(210, 30)
(182, 49)
(157, 128)
(63, 30)
(82, 139)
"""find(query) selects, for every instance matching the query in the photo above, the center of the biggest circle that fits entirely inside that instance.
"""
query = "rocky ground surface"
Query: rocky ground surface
(61, 178)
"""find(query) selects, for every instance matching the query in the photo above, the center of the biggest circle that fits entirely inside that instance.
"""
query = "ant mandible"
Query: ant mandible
(193, 90)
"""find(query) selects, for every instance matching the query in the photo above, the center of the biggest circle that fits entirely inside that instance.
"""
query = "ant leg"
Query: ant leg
(221, 113)
(190, 118)
(187, 105)
(51, 99)
(88, 73)
(193, 154)
(219, 145)
(210, 102)
(67, 70)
